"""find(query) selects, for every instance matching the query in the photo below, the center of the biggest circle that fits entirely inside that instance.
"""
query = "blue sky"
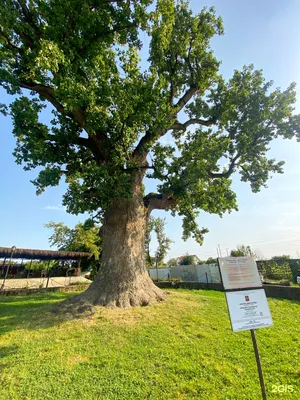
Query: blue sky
(265, 33)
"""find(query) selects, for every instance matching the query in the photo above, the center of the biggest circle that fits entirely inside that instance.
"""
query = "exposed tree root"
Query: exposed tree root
(83, 304)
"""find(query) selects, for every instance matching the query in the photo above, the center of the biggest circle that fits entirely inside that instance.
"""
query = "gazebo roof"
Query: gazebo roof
(34, 254)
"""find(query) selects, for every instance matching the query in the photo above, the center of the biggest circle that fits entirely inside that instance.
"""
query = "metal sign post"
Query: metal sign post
(246, 301)
(258, 363)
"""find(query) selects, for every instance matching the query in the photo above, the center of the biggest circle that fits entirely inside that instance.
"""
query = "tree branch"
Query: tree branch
(172, 74)
(138, 167)
(157, 201)
(186, 97)
(96, 143)
(25, 10)
(9, 43)
(80, 141)
(150, 136)
(192, 121)
(187, 59)
(28, 17)
(141, 149)
(48, 93)
(45, 91)
(112, 1)
(246, 173)
(228, 172)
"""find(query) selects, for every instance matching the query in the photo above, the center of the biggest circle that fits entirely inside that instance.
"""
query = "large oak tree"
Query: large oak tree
(111, 111)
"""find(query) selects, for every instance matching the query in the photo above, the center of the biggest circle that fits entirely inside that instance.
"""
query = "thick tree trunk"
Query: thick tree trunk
(123, 280)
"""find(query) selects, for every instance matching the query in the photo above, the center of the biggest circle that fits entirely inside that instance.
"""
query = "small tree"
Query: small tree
(188, 259)
(211, 260)
(156, 225)
(83, 237)
(245, 251)
(172, 262)
(241, 251)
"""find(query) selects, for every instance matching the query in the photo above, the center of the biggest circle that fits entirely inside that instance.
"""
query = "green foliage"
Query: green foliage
(274, 270)
(284, 257)
(287, 268)
(295, 268)
(241, 251)
(182, 349)
(189, 260)
(8, 262)
(156, 225)
(85, 237)
(40, 265)
(109, 112)
(211, 260)
(246, 251)
(172, 262)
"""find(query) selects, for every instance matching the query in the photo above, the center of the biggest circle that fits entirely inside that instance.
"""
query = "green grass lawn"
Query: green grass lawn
(180, 349)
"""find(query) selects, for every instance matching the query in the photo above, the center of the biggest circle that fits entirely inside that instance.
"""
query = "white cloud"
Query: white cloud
(55, 208)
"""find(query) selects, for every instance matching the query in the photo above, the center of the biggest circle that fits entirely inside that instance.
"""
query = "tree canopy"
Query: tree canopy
(110, 111)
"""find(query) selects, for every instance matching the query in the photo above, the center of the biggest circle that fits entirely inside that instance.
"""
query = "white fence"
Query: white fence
(159, 273)
(188, 273)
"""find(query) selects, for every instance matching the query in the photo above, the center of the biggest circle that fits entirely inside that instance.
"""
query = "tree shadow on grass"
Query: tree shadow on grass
(35, 297)
(34, 312)
(6, 351)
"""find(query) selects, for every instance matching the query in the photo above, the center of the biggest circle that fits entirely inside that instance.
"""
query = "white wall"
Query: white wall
(203, 273)
(159, 273)
(185, 272)
(188, 273)
(215, 272)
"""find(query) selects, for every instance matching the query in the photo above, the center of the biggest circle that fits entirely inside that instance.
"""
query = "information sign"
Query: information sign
(248, 309)
(239, 272)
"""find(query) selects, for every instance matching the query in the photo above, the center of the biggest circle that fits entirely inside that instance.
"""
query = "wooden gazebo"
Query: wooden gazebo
(10, 253)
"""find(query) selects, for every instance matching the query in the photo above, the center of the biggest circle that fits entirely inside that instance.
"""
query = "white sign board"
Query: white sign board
(298, 280)
(248, 309)
(239, 272)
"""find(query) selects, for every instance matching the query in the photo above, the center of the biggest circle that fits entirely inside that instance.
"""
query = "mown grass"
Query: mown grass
(180, 349)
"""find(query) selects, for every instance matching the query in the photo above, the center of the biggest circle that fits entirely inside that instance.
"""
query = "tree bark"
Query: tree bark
(123, 280)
